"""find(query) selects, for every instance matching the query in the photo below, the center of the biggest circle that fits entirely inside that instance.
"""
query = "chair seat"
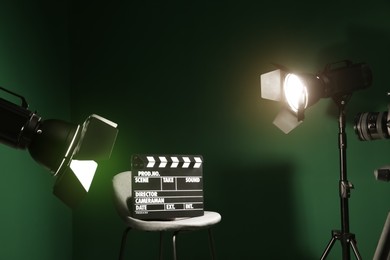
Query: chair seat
(183, 224)
(122, 194)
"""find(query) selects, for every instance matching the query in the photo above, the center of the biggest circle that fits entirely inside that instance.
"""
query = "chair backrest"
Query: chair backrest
(122, 192)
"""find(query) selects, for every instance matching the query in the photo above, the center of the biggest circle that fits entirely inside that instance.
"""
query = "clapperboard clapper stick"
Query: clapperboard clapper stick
(167, 186)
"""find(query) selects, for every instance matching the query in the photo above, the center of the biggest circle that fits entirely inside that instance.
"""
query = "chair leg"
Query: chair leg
(123, 243)
(212, 246)
(161, 245)
(175, 234)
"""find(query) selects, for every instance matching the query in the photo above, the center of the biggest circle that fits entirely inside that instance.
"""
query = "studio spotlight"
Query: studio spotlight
(69, 151)
(298, 91)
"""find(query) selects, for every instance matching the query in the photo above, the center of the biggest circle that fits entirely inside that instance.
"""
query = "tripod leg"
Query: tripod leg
(328, 248)
(355, 249)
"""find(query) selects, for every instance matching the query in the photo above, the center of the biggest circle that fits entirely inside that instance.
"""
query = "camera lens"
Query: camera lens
(371, 126)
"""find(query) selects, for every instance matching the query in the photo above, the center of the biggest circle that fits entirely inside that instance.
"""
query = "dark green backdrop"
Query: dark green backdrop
(184, 78)
(34, 63)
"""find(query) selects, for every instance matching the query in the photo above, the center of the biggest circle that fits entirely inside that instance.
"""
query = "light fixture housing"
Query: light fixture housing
(298, 91)
(69, 151)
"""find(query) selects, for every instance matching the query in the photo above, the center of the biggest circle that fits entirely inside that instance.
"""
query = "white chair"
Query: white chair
(123, 194)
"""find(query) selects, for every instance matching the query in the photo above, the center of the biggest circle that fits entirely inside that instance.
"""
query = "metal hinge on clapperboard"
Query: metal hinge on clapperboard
(167, 186)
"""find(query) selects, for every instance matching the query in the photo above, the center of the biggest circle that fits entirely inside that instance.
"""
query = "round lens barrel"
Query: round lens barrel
(371, 126)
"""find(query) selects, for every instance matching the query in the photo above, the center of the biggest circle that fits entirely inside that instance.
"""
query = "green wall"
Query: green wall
(184, 78)
(33, 63)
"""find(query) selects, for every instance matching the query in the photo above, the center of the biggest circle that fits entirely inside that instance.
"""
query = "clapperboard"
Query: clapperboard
(167, 186)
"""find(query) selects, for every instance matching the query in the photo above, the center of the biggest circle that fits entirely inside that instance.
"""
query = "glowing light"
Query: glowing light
(295, 92)
(84, 171)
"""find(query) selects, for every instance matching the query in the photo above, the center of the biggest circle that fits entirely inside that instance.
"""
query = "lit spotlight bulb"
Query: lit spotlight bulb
(295, 92)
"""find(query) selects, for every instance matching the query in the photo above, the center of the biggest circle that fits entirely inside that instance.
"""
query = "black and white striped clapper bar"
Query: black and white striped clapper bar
(167, 186)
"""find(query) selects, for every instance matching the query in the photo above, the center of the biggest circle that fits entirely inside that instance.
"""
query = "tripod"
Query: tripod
(346, 238)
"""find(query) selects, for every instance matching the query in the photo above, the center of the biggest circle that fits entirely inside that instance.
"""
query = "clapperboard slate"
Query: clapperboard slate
(167, 186)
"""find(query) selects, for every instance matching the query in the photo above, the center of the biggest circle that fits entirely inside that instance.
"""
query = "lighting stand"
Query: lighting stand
(346, 238)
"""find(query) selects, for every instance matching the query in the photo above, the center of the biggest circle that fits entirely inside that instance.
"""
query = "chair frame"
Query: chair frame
(122, 193)
(174, 246)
